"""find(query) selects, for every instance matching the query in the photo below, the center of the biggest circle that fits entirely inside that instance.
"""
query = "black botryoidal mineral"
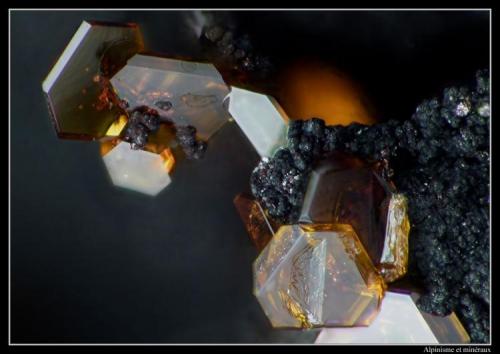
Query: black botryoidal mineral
(142, 121)
(192, 147)
(439, 159)
(235, 50)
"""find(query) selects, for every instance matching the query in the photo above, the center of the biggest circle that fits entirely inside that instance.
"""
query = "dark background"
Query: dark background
(93, 263)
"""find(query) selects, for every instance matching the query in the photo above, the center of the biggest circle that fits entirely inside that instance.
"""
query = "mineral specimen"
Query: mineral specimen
(142, 122)
(342, 189)
(182, 92)
(142, 171)
(400, 321)
(317, 276)
(440, 162)
(260, 117)
(81, 103)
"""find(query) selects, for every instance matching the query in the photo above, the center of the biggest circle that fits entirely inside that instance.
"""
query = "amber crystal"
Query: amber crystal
(259, 226)
(80, 100)
(394, 260)
(343, 189)
(317, 276)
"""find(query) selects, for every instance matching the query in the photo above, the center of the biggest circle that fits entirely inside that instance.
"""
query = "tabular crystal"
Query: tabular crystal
(142, 171)
(260, 117)
(187, 93)
(259, 227)
(394, 260)
(80, 102)
(344, 190)
(400, 321)
(317, 275)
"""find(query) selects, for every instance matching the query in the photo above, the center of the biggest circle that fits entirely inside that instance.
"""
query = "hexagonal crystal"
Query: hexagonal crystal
(317, 275)
(343, 189)
(142, 171)
(78, 97)
(185, 92)
(260, 118)
(400, 321)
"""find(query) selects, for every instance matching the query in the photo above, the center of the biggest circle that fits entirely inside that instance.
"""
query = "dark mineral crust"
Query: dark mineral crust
(192, 147)
(141, 123)
(144, 121)
(234, 50)
(439, 158)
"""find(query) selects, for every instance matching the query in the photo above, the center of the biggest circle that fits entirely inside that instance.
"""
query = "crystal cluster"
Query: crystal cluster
(400, 321)
(329, 270)
(315, 276)
(344, 190)
(439, 159)
(103, 89)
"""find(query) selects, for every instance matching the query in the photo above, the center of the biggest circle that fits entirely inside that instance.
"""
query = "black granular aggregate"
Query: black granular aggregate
(144, 121)
(192, 147)
(439, 158)
(234, 50)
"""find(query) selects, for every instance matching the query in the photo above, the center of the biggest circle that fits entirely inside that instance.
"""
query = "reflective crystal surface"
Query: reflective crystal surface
(139, 170)
(79, 100)
(394, 260)
(400, 321)
(259, 227)
(260, 117)
(184, 92)
(317, 275)
(342, 189)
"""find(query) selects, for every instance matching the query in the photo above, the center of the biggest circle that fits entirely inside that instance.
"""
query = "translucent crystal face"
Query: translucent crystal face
(79, 101)
(259, 227)
(315, 276)
(187, 93)
(393, 262)
(142, 171)
(260, 117)
(400, 321)
(344, 190)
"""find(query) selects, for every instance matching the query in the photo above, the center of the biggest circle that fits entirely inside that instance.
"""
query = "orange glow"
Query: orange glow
(168, 159)
(162, 139)
(311, 89)
(108, 145)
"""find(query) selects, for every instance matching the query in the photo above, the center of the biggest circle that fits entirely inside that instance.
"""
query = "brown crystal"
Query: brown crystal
(81, 104)
(260, 228)
(342, 189)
